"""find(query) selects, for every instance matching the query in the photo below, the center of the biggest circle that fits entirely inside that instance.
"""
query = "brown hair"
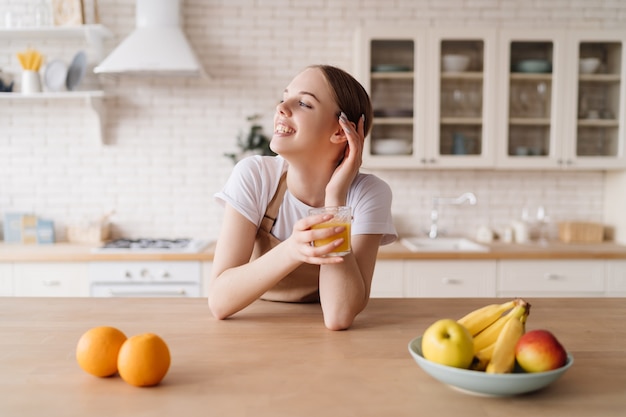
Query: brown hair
(349, 94)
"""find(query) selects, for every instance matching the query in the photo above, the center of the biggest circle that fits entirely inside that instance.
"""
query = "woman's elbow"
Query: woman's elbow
(338, 322)
(218, 311)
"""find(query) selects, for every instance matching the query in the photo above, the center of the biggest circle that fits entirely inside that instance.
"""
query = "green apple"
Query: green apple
(539, 351)
(448, 343)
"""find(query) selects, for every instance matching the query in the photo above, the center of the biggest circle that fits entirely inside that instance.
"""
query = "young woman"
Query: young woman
(264, 248)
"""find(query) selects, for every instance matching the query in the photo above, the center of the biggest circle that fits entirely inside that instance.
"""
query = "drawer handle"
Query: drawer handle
(51, 282)
(552, 277)
(450, 281)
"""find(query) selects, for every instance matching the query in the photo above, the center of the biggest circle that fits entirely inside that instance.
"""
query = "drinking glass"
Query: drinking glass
(342, 216)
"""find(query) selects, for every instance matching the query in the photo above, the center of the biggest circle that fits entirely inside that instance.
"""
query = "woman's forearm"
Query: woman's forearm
(345, 287)
(237, 287)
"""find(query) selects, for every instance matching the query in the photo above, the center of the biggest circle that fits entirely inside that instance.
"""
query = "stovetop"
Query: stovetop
(184, 245)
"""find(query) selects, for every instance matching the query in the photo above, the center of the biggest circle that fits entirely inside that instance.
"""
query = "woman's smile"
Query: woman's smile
(283, 129)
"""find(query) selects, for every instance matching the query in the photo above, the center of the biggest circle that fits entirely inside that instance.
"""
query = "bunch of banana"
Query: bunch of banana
(496, 329)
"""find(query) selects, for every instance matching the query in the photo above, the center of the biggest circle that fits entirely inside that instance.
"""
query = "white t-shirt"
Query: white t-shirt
(254, 181)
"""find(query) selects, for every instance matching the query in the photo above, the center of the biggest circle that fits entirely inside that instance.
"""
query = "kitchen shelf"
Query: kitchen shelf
(461, 121)
(461, 75)
(522, 76)
(94, 34)
(393, 120)
(598, 123)
(95, 99)
(395, 75)
(600, 78)
(529, 121)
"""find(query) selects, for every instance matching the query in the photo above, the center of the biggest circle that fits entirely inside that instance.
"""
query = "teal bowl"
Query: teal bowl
(533, 66)
(482, 383)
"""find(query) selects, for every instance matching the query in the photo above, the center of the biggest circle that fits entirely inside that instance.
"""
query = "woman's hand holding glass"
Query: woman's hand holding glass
(304, 234)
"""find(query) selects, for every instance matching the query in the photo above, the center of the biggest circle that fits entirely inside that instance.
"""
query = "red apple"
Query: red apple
(539, 351)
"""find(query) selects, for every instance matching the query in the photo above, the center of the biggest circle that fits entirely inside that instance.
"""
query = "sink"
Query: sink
(442, 244)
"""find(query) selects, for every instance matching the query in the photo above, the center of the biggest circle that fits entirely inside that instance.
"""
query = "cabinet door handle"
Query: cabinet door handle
(551, 276)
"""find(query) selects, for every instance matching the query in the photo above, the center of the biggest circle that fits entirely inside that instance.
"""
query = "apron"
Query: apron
(302, 284)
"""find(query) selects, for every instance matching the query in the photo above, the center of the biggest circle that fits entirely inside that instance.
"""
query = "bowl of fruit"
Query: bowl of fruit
(488, 352)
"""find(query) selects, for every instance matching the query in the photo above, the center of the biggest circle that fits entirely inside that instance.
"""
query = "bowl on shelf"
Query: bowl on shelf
(393, 113)
(533, 66)
(391, 146)
(455, 62)
(482, 383)
(588, 65)
(390, 68)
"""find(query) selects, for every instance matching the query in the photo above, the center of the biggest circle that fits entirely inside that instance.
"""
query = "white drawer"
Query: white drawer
(145, 290)
(450, 278)
(145, 271)
(551, 278)
(6, 279)
(387, 281)
(50, 280)
(616, 272)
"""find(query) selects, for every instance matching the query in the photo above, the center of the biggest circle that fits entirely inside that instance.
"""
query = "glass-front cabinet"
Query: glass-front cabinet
(391, 66)
(423, 124)
(559, 96)
(532, 74)
(494, 98)
(460, 103)
(597, 110)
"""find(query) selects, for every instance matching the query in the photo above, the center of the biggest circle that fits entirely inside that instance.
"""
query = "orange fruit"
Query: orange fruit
(143, 360)
(97, 349)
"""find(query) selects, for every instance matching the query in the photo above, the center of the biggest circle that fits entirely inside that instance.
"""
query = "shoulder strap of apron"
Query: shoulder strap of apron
(272, 208)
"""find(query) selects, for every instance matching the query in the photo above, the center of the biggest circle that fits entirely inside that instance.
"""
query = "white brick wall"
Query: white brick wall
(164, 159)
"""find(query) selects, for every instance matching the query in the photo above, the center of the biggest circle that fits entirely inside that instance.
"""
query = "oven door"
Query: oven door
(145, 290)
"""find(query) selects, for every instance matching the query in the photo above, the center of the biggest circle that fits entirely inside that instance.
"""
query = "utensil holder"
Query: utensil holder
(31, 82)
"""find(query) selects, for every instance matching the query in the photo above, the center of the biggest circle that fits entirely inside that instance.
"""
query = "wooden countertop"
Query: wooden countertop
(276, 359)
(67, 252)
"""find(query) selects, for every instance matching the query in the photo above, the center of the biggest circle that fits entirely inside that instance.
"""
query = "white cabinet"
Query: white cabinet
(552, 115)
(6, 279)
(522, 102)
(426, 116)
(558, 278)
(616, 278)
(388, 279)
(450, 278)
(460, 105)
(44, 279)
(206, 277)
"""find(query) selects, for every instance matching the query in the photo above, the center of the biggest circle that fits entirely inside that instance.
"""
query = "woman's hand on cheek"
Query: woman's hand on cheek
(300, 241)
(337, 188)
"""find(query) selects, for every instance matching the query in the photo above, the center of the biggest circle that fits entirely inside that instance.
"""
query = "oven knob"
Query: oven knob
(165, 275)
(145, 273)
(128, 275)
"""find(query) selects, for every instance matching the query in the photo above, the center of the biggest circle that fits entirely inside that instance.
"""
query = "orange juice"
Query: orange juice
(342, 249)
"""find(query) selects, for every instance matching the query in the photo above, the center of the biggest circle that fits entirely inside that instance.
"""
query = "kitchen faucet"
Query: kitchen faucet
(437, 201)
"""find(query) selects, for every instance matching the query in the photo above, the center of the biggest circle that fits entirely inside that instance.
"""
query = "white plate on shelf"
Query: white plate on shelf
(55, 75)
(76, 71)
(391, 146)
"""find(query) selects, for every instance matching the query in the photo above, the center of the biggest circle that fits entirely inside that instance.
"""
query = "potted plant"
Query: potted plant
(254, 142)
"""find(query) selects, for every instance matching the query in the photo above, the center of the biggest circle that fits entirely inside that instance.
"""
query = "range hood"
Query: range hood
(158, 45)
